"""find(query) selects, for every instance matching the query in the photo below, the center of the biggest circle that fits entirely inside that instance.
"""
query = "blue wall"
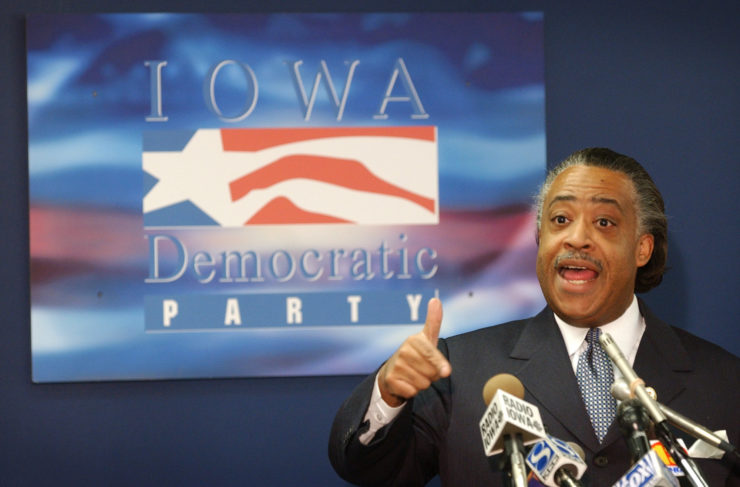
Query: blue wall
(659, 83)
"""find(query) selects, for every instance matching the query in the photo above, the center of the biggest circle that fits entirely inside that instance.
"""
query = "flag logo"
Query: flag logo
(238, 177)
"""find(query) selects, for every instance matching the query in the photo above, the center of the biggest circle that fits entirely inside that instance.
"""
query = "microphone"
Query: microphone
(508, 424)
(633, 422)
(649, 471)
(557, 463)
(621, 390)
(661, 427)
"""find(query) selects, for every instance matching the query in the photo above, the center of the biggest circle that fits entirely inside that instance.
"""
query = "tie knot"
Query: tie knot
(592, 337)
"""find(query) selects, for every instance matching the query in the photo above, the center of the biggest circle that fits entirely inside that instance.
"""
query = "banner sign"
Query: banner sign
(218, 195)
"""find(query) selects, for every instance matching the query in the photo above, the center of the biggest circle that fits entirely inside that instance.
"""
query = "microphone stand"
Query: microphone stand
(679, 454)
(565, 480)
(514, 468)
(633, 421)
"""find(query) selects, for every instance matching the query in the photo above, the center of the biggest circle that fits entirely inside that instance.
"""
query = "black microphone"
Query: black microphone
(508, 424)
(633, 423)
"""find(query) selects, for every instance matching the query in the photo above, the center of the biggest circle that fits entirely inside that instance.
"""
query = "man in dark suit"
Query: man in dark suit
(601, 232)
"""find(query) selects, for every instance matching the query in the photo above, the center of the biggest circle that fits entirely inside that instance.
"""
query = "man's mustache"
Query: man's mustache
(578, 256)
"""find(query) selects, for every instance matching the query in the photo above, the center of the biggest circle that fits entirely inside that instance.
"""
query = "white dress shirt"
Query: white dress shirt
(626, 331)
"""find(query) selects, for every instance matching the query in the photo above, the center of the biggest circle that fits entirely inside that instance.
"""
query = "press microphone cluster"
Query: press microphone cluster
(647, 470)
(636, 388)
(510, 423)
(621, 391)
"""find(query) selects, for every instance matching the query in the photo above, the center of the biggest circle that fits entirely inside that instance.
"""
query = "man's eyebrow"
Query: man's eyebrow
(595, 199)
(608, 201)
(561, 197)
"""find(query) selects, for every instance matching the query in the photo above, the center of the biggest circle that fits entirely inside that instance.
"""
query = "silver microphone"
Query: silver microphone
(616, 356)
(621, 390)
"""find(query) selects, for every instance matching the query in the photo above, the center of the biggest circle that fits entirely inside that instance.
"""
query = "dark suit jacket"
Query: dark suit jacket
(438, 433)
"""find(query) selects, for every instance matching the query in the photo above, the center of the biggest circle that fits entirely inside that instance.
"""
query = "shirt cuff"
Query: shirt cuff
(378, 414)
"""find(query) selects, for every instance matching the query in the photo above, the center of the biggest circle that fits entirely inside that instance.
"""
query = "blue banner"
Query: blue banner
(278, 194)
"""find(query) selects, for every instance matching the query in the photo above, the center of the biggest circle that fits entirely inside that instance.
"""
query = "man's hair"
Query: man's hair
(649, 205)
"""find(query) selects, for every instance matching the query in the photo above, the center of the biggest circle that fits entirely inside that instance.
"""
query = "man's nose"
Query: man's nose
(579, 235)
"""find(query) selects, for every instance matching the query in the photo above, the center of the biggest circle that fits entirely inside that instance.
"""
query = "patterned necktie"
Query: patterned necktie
(595, 375)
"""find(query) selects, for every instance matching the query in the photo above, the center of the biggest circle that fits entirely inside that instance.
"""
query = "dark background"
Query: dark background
(655, 80)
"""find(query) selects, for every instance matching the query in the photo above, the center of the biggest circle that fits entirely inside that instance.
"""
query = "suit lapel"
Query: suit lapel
(547, 374)
(661, 361)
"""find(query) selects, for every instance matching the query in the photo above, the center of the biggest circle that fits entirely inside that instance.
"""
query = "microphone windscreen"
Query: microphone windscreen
(507, 382)
(631, 414)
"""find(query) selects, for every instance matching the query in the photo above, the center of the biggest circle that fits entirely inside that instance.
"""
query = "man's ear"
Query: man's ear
(645, 245)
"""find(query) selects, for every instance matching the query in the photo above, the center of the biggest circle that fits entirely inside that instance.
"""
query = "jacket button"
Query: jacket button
(601, 461)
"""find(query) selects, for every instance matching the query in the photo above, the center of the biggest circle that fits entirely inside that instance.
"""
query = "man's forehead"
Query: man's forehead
(592, 184)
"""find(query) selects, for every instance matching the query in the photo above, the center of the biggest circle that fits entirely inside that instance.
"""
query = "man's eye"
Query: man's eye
(560, 219)
(603, 222)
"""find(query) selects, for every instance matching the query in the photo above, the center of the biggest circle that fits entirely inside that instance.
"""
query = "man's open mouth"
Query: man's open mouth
(577, 274)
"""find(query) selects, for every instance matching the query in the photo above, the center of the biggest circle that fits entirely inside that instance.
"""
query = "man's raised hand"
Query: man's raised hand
(417, 362)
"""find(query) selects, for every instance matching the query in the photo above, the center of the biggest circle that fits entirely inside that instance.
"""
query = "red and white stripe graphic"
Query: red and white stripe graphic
(359, 175)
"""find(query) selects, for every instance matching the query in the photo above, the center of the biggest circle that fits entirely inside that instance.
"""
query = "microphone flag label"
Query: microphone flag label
(549, 455)
(280, 176)
(666, 457)
(648, 472)
(508, 415)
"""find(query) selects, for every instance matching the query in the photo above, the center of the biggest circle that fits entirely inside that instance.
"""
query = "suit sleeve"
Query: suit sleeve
(404, 452)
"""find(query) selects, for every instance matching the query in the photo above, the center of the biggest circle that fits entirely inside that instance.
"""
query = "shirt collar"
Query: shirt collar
(626, 331)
